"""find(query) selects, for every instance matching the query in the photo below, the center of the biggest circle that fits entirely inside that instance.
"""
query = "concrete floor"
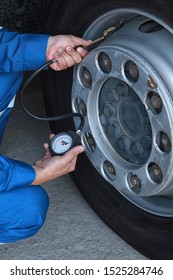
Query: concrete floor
(72, 230)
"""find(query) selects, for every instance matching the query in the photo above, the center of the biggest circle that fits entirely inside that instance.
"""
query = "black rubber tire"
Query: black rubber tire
(149, 234)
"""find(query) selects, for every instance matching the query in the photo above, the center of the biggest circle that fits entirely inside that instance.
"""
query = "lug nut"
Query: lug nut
(163, 141)
(86, 77)
(155, 172)
(135, 184)
(165, 144)
(123, 89)
(109, 110)
(113, 95)
(114, 129)
(89, 142)
(124, 143)
(104, 62)
(82, 107)
(137, 149)
(156, 101)
(110, 167)
(109, 170)
(135, 181)
(131, 71)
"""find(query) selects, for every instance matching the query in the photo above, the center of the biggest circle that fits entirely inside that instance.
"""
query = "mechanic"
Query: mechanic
(23, 202)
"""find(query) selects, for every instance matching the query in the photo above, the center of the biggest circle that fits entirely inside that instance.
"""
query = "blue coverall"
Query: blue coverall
(23, 207)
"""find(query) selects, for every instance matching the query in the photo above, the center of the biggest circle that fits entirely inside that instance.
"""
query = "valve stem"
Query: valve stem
(106, 32)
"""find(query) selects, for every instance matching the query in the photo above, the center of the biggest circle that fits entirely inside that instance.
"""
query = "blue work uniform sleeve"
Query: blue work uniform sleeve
(20, 52)
(14, 173)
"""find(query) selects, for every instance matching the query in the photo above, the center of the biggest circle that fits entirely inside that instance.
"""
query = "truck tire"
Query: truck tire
(123, 88)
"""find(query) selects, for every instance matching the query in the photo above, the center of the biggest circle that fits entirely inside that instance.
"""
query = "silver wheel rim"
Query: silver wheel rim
(123, 89)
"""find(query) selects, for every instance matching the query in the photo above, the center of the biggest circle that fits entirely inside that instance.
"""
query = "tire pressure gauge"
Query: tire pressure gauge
(63, 142)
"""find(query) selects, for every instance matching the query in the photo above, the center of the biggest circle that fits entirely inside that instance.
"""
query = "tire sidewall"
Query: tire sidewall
(75, 17)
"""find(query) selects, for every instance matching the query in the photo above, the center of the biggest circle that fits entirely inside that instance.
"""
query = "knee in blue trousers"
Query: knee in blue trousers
(22, 212)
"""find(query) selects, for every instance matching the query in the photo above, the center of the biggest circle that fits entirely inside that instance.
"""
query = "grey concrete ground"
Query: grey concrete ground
(72, 230)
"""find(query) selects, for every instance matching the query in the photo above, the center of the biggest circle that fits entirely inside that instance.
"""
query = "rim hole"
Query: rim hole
(80, 106)
(104, 62)
(134, 183)
(163, 142)
(150, 26)
(89, 142)
(86, 77)
(155, 172)
(131, 71)
(109, 170)
(154, 102)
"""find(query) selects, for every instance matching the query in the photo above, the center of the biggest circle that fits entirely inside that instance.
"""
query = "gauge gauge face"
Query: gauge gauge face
(61, 143)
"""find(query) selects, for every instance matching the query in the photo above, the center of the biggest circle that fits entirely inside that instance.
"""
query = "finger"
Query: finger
(38, 163)
(46, 146)
(70, 55)
(74, 54)
(47, 150)
(66, 56)
(51, 136)
(81, 51)
(61, 61)
(80, 41)
(71, 154)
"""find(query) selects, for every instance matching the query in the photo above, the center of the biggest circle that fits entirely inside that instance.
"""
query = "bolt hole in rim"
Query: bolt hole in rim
(127, 99)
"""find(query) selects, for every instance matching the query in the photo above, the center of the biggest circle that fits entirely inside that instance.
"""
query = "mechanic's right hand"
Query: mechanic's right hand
(51, 167)
(67, 50)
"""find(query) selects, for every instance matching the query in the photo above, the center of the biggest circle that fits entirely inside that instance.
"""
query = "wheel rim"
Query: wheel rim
(123, 89)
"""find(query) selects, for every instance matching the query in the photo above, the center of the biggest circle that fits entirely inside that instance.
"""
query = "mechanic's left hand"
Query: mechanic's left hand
(51, 167)
(67, 50)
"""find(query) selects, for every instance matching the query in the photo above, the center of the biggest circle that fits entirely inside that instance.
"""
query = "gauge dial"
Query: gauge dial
(61, 143)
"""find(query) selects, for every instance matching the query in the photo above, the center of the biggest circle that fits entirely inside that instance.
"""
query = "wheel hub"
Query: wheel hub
(125, 121)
